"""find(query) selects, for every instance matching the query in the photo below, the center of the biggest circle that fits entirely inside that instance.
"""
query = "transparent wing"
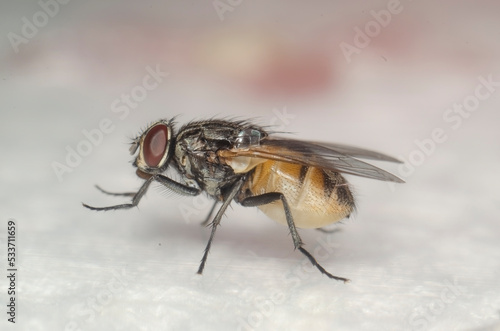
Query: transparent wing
(357, 152)
(340, 158)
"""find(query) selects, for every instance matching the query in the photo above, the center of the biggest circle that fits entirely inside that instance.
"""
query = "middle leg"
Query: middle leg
(227, 201)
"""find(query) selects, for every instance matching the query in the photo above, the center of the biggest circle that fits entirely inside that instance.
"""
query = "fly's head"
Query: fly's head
(155, 146)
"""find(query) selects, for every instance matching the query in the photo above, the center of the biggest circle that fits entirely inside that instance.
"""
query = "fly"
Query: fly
(296, 183)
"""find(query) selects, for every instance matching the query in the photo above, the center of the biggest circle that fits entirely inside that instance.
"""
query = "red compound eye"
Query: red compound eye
(155, 145)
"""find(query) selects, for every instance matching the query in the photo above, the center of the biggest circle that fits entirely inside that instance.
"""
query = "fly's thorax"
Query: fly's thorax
(197, 147)
(201, 164)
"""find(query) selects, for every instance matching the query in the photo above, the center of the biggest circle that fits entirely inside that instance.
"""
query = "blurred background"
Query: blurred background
(419, 80)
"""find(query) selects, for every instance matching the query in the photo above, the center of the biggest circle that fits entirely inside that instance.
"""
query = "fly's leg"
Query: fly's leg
(135, 200)
(227, 201)
(126, 194)
(167, 182)
(205, 222)
(267, 198)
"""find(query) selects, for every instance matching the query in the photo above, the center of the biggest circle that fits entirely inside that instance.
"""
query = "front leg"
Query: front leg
(167, 182)
(126, 194)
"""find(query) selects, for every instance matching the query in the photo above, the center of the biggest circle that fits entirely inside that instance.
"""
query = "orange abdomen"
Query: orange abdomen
(316, 197)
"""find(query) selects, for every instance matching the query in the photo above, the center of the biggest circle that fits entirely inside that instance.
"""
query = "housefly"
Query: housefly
(296, 183)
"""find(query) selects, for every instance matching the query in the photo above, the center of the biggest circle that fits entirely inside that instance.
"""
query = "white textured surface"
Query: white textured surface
(421, 256)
